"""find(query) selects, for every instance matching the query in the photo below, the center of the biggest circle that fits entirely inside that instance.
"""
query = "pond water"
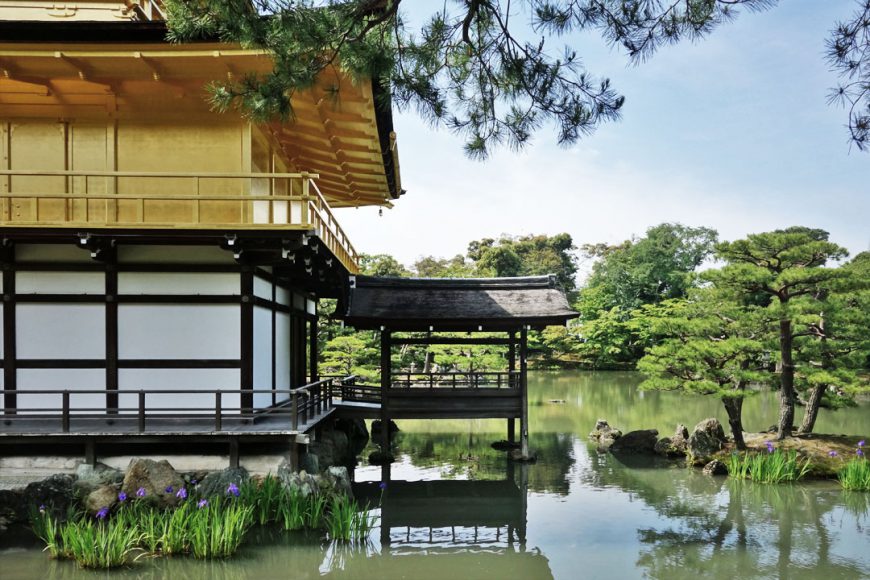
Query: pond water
(455, 508)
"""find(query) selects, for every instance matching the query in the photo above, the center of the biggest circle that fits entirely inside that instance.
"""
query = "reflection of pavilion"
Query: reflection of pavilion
(430, 514)
(471, 524)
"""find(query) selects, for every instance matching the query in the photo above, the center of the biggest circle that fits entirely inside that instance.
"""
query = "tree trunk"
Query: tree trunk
(812, 411)
(786, 378)
(734, 408)
(816, 393)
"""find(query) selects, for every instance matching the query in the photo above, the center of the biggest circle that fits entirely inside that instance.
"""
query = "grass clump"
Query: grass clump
(775, 466)
(212, 527)
(855, 476)
(346, 522)
(99, 544)
(217, 529)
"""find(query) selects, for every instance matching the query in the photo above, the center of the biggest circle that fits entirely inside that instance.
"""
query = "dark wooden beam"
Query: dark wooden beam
(451, 340)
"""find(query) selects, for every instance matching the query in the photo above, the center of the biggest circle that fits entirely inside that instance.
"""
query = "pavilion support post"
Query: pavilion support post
(386, 378)
(512, 367)
(312, 363)
(524, 386)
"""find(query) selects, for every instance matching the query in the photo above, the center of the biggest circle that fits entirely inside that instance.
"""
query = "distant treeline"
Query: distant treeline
(785, 307)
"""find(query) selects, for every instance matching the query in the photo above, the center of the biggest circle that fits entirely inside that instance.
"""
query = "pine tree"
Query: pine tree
(785, 272)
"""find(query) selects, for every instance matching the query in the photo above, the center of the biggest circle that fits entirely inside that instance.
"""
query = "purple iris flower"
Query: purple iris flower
(770, 447)
(832, 453)
(193, 482)
(233, 489)
(103, 513)
(140, 492)
(168, 489)
(860, 452)
(122, 497)
(202, 503)
(42, 508)
(861, 443)
(382, 485)
(182, 493)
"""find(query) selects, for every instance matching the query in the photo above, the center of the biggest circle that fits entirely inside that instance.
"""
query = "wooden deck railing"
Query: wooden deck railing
(350, 389)
(127, 199)
(457, 380)
(301, 405)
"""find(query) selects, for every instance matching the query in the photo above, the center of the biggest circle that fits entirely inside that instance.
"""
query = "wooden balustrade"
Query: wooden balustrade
(301, 406)
(97, 199)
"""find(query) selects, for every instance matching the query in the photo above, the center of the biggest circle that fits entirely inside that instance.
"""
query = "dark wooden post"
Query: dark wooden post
(512, 367)
(312, 365)
(10, 403)
(247, 339)
(111, 287)
(524, 385)
(386, 372)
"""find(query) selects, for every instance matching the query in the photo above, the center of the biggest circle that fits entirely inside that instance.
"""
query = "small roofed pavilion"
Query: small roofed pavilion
(493, 311)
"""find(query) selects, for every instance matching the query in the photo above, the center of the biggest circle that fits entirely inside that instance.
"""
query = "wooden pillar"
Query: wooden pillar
(524, 386)
(313, 351)
(111, 286)
(386, 378)
(247, 338)
(512, 366)
(10, 373)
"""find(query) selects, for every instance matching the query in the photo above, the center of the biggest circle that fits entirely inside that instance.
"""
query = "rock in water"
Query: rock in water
(56, 492)
(105, 496)
(715, 467)
(642, 442)
(217, 482)
(604, 435)
(674, 446)
(158, 479)
(707, 438)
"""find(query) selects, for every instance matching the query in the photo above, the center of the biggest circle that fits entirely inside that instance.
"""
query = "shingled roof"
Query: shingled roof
(457, 304)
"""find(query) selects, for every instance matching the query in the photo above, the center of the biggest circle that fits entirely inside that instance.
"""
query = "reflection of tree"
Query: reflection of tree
(751, 531)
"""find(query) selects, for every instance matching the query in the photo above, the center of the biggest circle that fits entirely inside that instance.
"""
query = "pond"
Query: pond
(455, 508)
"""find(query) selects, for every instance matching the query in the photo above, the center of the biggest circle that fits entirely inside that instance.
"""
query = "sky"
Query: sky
(733, 132)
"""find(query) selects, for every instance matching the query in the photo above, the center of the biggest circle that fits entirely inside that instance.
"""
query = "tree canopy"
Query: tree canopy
(486, 69)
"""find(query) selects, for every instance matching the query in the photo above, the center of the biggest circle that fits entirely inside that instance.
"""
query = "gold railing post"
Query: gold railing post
(306, 184)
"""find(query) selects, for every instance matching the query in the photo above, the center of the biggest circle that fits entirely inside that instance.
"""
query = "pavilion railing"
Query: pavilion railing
(76, 411)
(456, 380)
(94, 199)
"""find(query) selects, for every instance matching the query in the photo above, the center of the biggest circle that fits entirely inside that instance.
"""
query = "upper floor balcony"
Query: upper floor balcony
(92, 200)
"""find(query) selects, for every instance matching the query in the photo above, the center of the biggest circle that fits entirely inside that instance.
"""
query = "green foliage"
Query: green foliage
(624, 278)
(346, 521)
(349, 355)
(218, 528)
(98, 544)
(264, 497)
(647, 270)
(46, 528)
(771, 467)
(855, 476)
(382, 265)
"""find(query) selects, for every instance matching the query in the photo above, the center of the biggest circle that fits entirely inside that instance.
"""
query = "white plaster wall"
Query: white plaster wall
(179, 379)
(282, 296)
(65, 379)
(282, 353)
(262, 288)
(60, 283)
(262, 356)
(179, 331)
(61, 330)
(178, 283)
(311, 306)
